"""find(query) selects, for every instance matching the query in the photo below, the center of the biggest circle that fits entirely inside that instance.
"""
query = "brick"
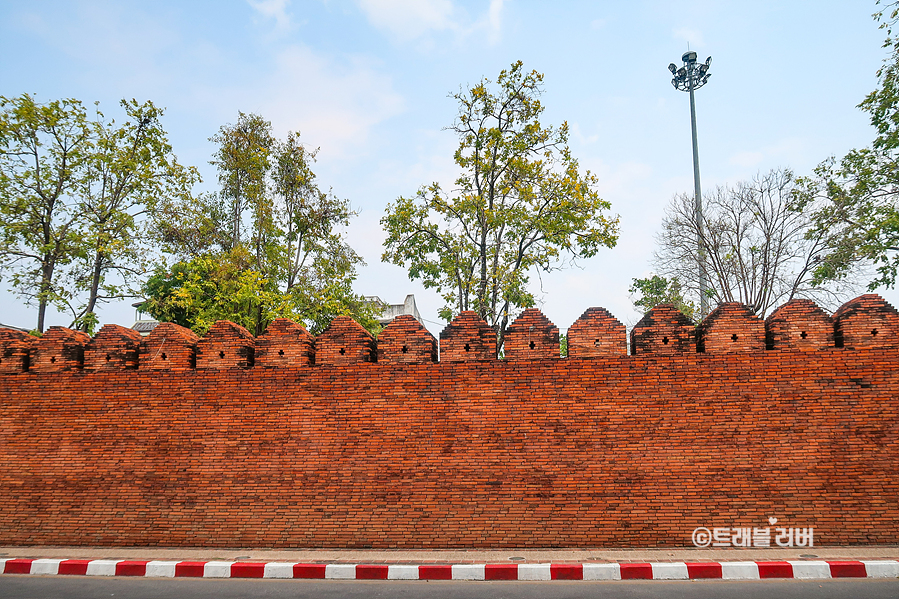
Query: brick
(15, 350)
(285, 344)
(663, 330)
(226, 345)
(730, 327)
(168, 347)
(113, 348)
(866, 321)
(59, 350)
(406, 341)
(467, 338)
(344, 342)
(532, 336)
(596, 333)
(799, 325)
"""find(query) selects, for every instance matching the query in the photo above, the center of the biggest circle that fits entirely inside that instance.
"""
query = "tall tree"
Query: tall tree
(520, 206)
(267, 245)
(43, 148)
(759, 248)
(861, 190)
(130, 167)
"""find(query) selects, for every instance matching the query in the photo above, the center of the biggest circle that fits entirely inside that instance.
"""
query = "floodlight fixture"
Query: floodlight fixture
(689, 78)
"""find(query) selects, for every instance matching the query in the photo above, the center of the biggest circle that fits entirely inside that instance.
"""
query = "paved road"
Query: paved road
(56, 587)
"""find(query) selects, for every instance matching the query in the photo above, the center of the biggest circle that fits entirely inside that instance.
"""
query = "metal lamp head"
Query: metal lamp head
(689, 56)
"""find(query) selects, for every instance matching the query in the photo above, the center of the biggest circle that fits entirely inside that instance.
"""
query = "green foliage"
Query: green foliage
(860, 191)
(73, 194)
(267, 245)
(563, 346)
(43, 151)
(657, 290)
(520, 206)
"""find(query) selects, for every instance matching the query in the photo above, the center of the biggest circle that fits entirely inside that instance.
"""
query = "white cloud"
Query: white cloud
(333, 104)
(274, 9)
(407, 20)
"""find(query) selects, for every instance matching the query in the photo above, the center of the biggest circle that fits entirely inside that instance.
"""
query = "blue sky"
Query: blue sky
(367, 81)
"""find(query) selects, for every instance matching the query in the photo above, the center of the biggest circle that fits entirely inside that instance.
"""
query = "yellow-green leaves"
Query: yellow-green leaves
(519, 204)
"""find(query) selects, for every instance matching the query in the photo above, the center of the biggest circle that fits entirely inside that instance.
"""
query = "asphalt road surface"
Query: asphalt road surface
(53, 587)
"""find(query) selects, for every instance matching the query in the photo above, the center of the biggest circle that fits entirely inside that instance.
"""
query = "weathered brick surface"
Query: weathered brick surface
(866, 321)
(15, 347)
(799, 324)
(226, 345)
(168, 347)
(343, 343)
(406, 341)
(663, 330)
(618, 450)
(467, 338)
(285, 344)
(614, 451)
(60, 349)
(113, 348)
(596, 333)
(730, 327)
(531, 336)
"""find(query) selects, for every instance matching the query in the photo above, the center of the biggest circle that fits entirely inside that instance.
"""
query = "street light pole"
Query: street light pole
(691, 77)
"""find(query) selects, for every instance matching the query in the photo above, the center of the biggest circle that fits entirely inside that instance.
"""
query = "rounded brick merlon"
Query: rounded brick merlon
(663, 330)
(285, 343)
(226, 345)
(532, 336)
(731, 327)
(60, 349)
(343, 343)
(596, 333)
(866, 321)
(114, 347)
(406, 341)
(799, 324)
(168, 347)
(467, 338)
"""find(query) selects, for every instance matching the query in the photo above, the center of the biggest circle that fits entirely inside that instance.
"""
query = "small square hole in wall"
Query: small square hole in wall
(467, 347)
(733, 337)
(803, 334)
(280, 352)
(532, 345)
(874, 332)
(342, 351)
(405, 349)
(664, 340)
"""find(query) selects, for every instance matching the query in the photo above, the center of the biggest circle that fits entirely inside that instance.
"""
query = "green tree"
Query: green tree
(267, 245)
(856, 198)
(43, 149)
(520, 206)
(655, 290)
(130, 167)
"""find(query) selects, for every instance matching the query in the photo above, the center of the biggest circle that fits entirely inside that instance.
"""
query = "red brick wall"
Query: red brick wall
(596, 452)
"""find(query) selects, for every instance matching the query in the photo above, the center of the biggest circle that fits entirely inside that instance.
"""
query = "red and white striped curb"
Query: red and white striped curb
(588, 571)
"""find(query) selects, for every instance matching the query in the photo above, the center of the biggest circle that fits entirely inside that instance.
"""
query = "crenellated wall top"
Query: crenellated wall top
(867, 321)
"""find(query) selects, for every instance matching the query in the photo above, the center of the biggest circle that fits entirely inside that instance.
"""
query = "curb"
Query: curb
(806, 570)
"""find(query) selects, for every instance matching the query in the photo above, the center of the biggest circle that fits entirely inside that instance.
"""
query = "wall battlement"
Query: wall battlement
(347, 441)
(864, 322)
